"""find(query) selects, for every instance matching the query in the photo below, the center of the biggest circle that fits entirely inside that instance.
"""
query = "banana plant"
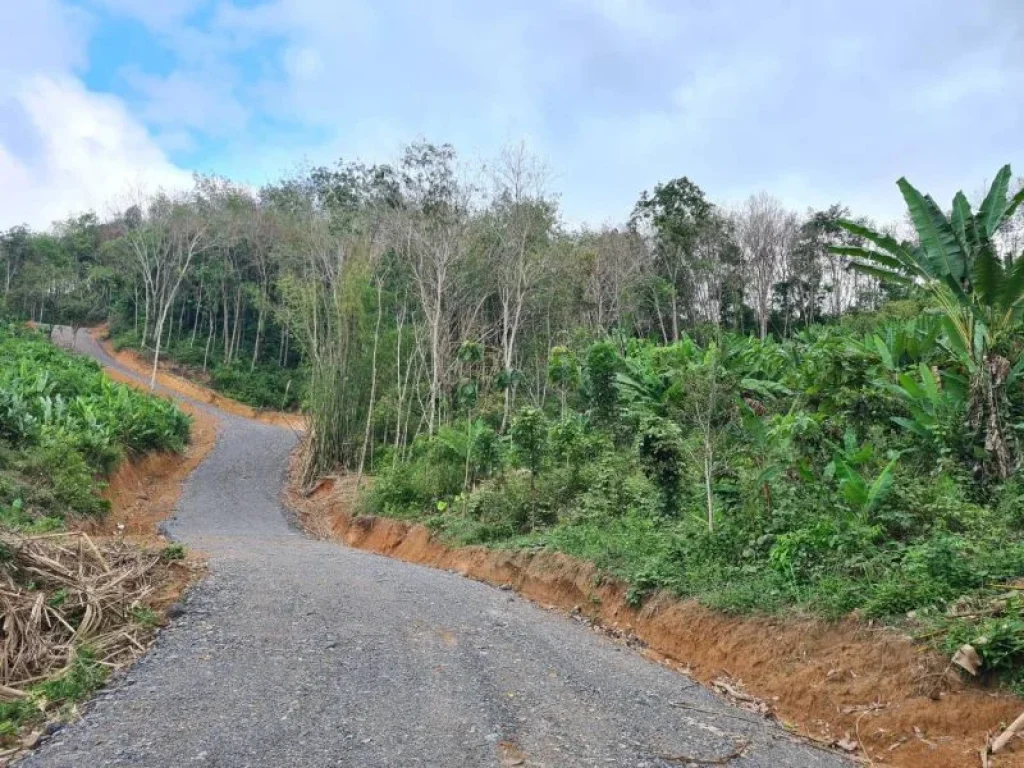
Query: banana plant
(979, 292)
(862, 494)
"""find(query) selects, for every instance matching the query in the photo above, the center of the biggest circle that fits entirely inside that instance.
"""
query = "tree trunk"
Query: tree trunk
(988, 406)
(199, 311)
(209, 339)
(373, 387)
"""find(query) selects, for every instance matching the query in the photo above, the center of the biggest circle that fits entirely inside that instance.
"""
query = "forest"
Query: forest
(757, 407)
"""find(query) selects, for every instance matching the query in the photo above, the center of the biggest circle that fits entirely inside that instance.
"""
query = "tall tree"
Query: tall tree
(765, 231)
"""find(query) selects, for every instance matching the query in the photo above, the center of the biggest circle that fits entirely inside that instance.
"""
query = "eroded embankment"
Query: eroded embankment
(833, 682)
(182, 386)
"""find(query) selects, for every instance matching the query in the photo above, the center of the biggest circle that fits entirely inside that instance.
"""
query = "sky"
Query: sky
(814, 101)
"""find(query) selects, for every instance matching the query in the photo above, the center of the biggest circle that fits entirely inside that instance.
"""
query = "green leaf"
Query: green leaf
(1015, 372)
(877, 257)
(885, 242)
(883, 352)
(881, 274)
(994, 208)
(1012, 290)
(911, 387)
(987, 274)
(881, 487)
(1014, 203)
(935, 232)
(962, 220)
(928, 383)
(912, 426)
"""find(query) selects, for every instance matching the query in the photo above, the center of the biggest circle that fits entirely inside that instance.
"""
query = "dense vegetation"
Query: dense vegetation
(746, 405)
(64, 426)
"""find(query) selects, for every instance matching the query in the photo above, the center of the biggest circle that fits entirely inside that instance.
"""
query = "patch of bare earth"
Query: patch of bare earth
(168, 378)
(867, 690)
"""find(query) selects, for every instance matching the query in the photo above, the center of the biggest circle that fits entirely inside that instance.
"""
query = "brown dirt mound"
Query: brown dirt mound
(131, 360)
(832, 682)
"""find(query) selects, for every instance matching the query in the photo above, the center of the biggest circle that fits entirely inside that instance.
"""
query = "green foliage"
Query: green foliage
(600, 392)
(172, 552)
(839, 477)
(978, 290)
(63, 425)
(659, 445)
(84, 675)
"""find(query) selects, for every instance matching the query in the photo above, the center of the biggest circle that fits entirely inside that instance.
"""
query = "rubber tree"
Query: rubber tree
(979, 291)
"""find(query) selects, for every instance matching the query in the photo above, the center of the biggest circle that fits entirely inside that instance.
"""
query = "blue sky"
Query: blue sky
(815, 102)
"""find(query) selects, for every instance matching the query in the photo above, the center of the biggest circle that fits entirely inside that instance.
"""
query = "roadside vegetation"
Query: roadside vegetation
(72, 609)
(761, 409)
(64, 427)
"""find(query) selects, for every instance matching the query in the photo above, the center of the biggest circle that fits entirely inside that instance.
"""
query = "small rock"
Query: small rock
(175, 610)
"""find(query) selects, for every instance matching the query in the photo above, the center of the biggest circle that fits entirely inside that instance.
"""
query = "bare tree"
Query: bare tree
(431, 233)
(521, 219)
(613, 260)
(765, 231)
(164, 245)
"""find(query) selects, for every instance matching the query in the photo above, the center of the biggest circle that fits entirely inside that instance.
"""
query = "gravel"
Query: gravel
(294, 652)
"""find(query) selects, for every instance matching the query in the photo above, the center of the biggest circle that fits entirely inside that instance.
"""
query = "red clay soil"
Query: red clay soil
(143, 491)
(182, 386)
(831, 682)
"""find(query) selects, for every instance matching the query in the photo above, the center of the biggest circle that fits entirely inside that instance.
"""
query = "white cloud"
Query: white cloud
(184, 100)
(91, 152)
(157, 14)
(64, 148)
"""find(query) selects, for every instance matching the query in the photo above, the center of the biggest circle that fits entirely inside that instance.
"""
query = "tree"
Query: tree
(431, 232)
(164, 245)
(520, 220)
(528, 434)
(681, 224)
(979, 291)
(612, 262)
(765, 231)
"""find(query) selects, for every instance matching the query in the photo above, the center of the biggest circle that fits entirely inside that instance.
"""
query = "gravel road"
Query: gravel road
(294, 652)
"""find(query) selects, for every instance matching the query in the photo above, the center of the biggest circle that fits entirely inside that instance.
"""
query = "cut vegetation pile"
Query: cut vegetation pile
(60, 592)
(72, 607)
(73, 610)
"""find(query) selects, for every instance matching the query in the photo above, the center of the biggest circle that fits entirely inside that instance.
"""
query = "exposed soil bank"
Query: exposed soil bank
(828, 681)
(182, 386)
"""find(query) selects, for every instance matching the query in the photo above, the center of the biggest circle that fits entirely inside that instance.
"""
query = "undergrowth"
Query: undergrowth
(267, 386)
(64, 426)
(843, 481)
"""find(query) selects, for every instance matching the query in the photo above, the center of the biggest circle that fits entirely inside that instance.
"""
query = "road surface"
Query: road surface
(294, 652)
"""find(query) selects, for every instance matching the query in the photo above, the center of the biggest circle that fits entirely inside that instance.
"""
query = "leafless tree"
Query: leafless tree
(520, 220)
(613, 261)
(431, 232)
(765, 231)
(164, 246)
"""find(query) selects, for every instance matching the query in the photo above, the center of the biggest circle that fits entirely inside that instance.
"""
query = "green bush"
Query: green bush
(841, 478)
(63, 425)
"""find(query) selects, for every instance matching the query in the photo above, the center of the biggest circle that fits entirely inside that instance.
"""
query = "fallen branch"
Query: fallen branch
(737, 752)
(1004, 738)
(692, 708)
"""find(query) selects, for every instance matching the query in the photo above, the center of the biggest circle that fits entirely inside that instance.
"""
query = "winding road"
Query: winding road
(294, 652)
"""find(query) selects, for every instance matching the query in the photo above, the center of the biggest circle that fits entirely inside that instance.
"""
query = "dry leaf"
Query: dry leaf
(968, 659)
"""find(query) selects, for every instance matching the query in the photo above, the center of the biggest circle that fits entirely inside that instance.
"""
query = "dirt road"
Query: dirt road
(295, 652)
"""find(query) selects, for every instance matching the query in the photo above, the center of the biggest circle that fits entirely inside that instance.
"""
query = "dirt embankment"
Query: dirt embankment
(144, 490)
(836, 683)
(182, 386)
